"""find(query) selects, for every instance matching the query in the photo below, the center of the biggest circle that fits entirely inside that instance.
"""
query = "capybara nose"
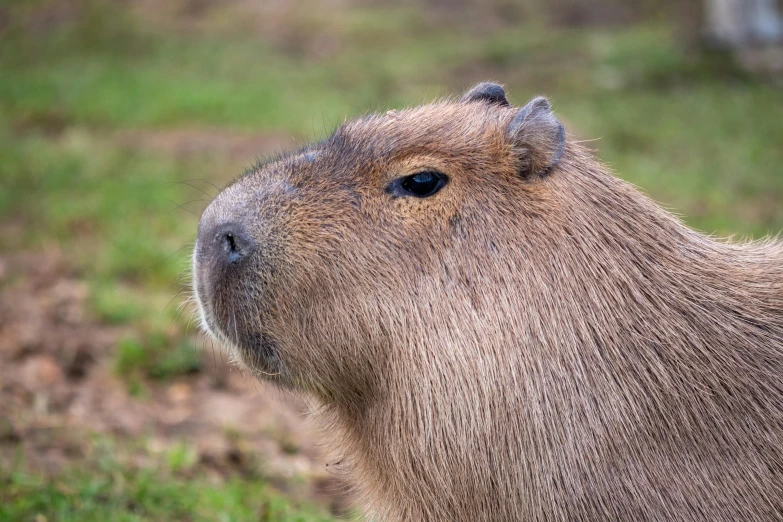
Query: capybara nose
(228, 243)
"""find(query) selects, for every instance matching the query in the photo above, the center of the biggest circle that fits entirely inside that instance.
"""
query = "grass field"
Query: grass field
(118, 121)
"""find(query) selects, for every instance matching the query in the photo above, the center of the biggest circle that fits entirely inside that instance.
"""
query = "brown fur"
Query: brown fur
(534, 348)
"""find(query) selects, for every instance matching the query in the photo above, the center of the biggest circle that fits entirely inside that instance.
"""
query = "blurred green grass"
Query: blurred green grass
(90, 94)
(167, 487)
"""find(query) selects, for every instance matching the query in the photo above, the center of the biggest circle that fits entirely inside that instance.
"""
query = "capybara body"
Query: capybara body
(495, 328)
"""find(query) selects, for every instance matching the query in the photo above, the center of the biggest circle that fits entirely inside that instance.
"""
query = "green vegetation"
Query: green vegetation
(95, 98)
(166, 488)
(158, 357)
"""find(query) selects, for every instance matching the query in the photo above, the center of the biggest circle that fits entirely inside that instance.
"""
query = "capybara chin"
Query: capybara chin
(497, 328)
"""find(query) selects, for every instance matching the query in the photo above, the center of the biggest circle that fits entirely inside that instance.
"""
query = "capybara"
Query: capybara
(495, 328)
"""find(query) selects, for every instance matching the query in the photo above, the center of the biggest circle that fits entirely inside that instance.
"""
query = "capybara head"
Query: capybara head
(497, 327)
(319, 266)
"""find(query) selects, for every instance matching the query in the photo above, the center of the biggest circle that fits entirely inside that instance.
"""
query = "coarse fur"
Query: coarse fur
(538, 341)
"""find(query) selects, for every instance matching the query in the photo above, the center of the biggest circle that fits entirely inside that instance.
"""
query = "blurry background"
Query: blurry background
(119, 120)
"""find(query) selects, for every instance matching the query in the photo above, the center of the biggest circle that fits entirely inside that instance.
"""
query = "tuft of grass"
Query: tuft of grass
(116, 303)
(155, 356)
(181, 457)
(183, 359)
(130, 356)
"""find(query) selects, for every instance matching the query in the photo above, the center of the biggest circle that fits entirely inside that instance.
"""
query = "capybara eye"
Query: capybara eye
(420, 185)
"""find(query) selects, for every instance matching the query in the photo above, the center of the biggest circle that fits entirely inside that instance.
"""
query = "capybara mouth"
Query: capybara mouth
(260, 354)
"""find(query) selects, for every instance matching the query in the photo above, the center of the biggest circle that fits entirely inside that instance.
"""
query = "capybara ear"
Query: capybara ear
(539, 137)
(486, 92)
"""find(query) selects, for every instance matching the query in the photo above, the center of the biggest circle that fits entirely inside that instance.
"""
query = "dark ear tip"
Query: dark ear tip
(540, 103)
(487, 92)
(537, 107)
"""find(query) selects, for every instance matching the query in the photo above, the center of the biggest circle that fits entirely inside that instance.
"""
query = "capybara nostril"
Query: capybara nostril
(231, 244)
